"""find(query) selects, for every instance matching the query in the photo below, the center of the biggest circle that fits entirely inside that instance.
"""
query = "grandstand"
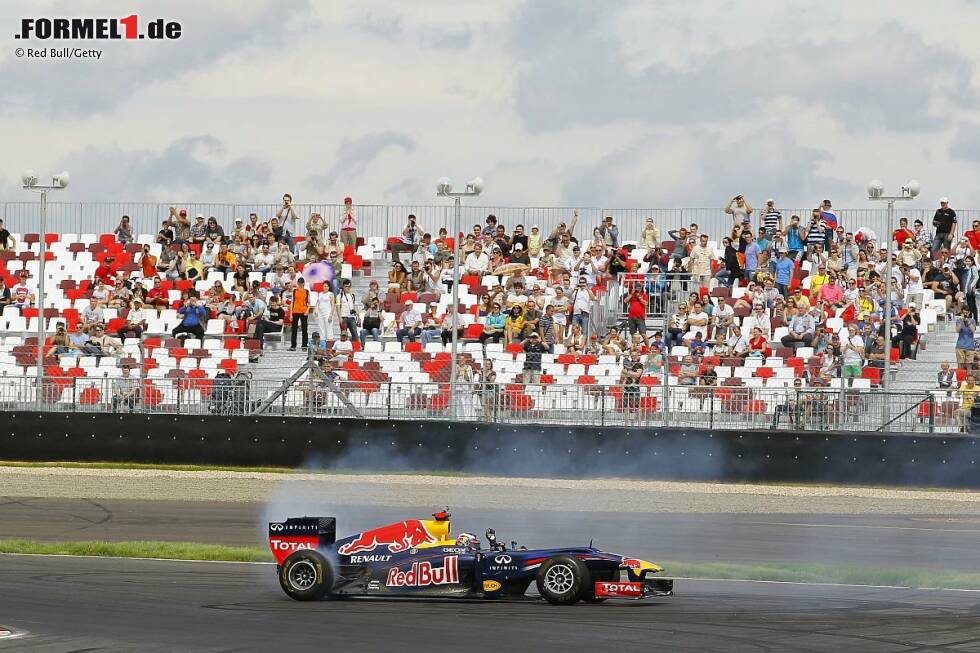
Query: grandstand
(585, 378)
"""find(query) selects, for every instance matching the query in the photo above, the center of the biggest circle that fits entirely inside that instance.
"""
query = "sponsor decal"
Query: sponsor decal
(423, 574)
(374, 585)
(502, 562)
(370, 558)
(293, 528)
(453, 550)
(398, 537)
(491, 586)
(632, 563)
(619, 590)
(283, 544)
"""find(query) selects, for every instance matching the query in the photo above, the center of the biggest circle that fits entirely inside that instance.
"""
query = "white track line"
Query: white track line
(870, 526)
(713, 580)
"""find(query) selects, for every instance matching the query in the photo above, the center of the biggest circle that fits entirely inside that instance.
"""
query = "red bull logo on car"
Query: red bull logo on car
(398, 537)
(423, 574)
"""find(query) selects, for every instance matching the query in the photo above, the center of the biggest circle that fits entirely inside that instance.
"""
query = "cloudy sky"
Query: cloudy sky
(553, 102)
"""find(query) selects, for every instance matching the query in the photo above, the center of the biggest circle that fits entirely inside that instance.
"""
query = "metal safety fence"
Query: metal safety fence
(382, 221)
(648, 405)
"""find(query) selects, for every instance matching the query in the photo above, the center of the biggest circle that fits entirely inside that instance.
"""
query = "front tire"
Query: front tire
(306, 575)
(562, 580)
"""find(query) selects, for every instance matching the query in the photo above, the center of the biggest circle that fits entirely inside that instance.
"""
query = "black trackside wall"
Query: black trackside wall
(505, 450)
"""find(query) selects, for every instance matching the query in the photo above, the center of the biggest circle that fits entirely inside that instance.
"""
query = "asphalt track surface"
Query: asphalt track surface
(950, 542)
(77, 604)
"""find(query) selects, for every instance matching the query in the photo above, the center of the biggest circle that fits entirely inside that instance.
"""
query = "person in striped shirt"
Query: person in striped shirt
(772, 218)
(815, 233)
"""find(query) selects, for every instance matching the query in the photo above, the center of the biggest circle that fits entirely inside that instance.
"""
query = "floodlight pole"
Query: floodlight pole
(30, 183)
(444, 189)
(455, 315)
(886, 376)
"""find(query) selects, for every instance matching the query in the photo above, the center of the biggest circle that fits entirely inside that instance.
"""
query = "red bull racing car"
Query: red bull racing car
(420, 557)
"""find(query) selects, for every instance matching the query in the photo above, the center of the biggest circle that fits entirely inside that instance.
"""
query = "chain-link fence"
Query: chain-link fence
(646, 405)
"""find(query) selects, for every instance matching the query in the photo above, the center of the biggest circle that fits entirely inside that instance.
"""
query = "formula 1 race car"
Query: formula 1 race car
(419, 557)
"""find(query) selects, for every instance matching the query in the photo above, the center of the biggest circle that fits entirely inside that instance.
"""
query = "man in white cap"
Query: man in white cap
(944, 223)
(198, 229)
(772, 219)
(411, 321)
(520, 255)
(239, 230)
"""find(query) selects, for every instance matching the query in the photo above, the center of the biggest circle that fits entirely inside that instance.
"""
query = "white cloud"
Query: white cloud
(645, 103)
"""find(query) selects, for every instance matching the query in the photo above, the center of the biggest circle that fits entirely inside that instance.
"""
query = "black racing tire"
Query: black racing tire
(563, 580)
(597, 576)
(306, 575)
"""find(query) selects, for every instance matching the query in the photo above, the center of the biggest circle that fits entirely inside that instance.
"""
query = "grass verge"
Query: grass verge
(801, 573)
(141, 549)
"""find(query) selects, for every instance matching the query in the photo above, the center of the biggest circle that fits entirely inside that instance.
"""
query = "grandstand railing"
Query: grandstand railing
(381, 221)
(645, 406)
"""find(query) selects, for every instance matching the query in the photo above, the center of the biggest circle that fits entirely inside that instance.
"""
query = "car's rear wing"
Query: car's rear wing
(301, 533)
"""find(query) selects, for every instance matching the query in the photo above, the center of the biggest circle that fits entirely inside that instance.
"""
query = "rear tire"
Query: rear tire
(306, 575)
(563, 580)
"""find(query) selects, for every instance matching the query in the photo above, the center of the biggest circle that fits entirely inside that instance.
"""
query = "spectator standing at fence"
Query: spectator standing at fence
(609, 232)
(581, 301)
(300, 308)
(7, 241)
(124, 231)
(772, 218)
(740, 210)
(315, 226)
(650, 235)
(348, 224)
(903, 234)
(944, 222)
(287, 221)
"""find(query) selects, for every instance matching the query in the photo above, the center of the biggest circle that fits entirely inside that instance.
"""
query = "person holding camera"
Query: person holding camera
(410, 239)
(287, 221)
(348, 224)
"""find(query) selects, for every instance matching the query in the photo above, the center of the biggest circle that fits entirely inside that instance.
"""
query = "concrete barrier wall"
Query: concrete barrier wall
(506, 450)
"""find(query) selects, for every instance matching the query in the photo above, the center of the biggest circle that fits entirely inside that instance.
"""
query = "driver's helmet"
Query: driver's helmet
(468, 540)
